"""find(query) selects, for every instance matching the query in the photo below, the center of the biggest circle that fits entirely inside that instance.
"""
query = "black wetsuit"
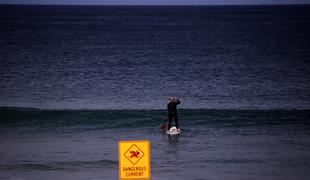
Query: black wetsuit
(172, 113)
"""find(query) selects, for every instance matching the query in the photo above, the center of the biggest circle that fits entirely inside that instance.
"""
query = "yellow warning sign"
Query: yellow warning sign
(134, 159)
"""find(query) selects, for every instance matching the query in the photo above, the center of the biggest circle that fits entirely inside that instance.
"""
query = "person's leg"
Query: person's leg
(170, 120)
(176, 120)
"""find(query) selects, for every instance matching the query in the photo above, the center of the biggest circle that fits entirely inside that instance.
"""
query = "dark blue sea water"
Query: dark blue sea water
(76, 80)
(214, 144)
(231, 57)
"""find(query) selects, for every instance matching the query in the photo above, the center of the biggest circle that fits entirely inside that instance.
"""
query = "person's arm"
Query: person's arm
(178, 102)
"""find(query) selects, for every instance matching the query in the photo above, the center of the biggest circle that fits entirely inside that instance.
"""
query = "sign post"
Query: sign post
(134, 160)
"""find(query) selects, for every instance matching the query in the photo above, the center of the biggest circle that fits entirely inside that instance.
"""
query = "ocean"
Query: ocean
(76, 80)
(214, 144)
(75, 57)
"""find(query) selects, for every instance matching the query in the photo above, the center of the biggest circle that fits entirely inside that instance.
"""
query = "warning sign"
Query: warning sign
(134, 159)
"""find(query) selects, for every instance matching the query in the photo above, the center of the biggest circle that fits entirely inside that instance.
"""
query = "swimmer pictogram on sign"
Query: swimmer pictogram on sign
(134, 154)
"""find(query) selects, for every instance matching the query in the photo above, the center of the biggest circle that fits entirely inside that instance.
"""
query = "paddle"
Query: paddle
(163, 125)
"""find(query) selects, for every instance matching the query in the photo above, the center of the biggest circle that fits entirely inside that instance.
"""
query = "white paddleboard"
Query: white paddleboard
(173, 131)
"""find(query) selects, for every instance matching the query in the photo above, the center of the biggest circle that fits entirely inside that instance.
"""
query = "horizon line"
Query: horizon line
(148, 109)
(215, 4)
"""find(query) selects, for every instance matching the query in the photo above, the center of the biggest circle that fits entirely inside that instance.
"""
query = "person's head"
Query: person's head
(172, 98)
